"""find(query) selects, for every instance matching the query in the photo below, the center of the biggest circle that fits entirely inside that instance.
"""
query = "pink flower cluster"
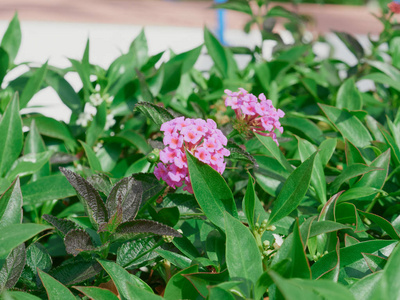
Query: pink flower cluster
(254, 114)
(201, 138)
(394, 7)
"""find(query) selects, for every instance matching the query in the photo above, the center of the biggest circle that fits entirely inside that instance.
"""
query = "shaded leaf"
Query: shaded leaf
(76, 241)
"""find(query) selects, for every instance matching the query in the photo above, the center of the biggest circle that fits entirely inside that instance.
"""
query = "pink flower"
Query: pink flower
(254, 114)
(394, 7)
(201, 138)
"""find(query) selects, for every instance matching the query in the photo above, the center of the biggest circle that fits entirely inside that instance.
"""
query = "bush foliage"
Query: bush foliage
(83, 216)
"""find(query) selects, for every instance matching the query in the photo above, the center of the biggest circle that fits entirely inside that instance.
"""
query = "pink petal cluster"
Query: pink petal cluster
(255, 114)
(394, 7)
(201, 138)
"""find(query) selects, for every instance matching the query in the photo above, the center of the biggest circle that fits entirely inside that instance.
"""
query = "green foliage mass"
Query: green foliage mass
(83, 217)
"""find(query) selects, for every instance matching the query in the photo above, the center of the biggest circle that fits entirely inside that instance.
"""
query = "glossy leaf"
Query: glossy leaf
(11, 205)
(32, 86)
(348, 125)
(54, 289)
(12, 38)
(94, 162)
(179, 287)
(122, 278)
(12, 138)
(243, 258)
(96, 293)
(211, 191)
(383, 224)
(249, 202)
(293, 191)
(28, 164)
(349, 96)
(217, 52)
(16, 234)
(275, 151)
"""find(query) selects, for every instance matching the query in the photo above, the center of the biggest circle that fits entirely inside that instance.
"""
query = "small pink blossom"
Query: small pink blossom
(201, 138)
(394, 7)
(254, 114)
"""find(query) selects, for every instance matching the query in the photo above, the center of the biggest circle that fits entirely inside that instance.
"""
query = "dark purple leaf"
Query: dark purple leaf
(62, 225)
(13, 267)
(135, 228)
(89, 197)
(78, 240)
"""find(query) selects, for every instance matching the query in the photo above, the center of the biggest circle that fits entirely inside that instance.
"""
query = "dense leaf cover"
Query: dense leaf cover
(311, 213)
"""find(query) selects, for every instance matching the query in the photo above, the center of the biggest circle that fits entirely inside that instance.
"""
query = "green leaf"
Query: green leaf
(351, 171)
(352, 262)
(275, 151)
(35, 144)
(52, 128)
(353, 155)
(12, 39)
(122, 278)
(300, 267)
(351, 43)
(358, 193)
(37, 257)
(349, 96)
(211, 191)
(11, 205)
(217, 293)
(348, 125)
(176, 259)
(89, 197)
(217, 52)
(363, 288)
(300, 289)
(19, 296)
(326, 150)
(28, 164)
(236, 5)
(318, 181)
(135, 139)
(38, 192)
(303, 128)
(54, 289)
(243, 258)
(91, 156)
(16, 234)
(382, 223)
(375, 262)
(293, 191)
(83, 70)
(76, 270)
(4, 63)
(249, 202)
(64, 90)
(96, 128)
(157, 114)
(140, 49)
(179, 287)
(12, 268)
(96, 293)
(12, 138)
(32, 86)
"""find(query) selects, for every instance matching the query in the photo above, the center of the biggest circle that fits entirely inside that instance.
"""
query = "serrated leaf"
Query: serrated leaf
(76, 241)
(101, 182)
(135, 228)
(76, 271)
(12, 268)
(37, 257)
(126, 194)
(90, 198)
(237, 153)
(157, 114)
(134, 253)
